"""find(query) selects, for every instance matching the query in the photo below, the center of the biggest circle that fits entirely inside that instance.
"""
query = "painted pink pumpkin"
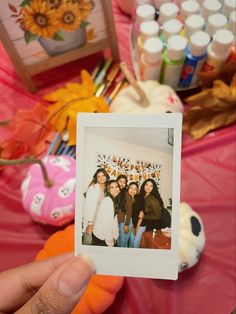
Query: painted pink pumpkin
(51, 205)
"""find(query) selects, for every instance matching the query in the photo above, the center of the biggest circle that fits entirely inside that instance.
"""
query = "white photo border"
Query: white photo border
(151, 263)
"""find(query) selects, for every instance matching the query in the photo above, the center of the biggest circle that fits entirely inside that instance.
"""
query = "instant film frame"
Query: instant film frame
(136, 262)
(41, 35)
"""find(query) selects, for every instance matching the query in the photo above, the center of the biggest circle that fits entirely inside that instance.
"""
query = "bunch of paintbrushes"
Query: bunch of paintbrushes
(108, 80)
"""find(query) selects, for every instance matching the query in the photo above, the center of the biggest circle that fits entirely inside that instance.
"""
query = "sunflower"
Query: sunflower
(85, 7)
(69, 16)
(40, 19)
(54, 4)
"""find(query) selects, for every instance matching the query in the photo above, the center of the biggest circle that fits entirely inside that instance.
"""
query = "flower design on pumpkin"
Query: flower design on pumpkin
(40, 19)
(67, 188)
(37, 203)
(173, 99)
(60, 162)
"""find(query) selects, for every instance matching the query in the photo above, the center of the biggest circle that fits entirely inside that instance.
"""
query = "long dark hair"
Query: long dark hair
(95, 180)
(107, 193)
(154, 191)
(121, 202)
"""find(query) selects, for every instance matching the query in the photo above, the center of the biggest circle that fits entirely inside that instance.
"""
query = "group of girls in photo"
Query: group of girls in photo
(117, 213)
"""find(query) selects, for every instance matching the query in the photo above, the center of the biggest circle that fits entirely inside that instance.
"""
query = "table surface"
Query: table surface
(159, 241)
(208, 184)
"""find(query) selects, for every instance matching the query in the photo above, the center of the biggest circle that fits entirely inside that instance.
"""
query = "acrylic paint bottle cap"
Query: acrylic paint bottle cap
(168, 11)
(188, 8)
(149, 29)
(152, 50)
(176, 47)
(145, 12)
(232, 22)
(170, 28)
(215, 22)
(140, 2)
(228, 7)
(221, 43)
(198, 43)
(158, 3)
(210, 7)
(193, 24)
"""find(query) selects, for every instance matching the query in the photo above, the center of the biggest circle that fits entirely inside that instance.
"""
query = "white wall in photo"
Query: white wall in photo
(101, 144)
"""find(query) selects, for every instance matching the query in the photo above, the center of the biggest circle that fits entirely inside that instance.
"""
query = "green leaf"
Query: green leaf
(84, 24)
(58, 36)
(24, 3)
(30, 37)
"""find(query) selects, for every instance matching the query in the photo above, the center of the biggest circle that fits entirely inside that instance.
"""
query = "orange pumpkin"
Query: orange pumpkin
(101, 290)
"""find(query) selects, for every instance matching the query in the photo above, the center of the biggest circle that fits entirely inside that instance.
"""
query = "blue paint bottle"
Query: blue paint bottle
(196, 54)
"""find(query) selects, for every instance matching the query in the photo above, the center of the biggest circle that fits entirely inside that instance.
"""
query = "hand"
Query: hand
(134, 231)
(89, 229)
(141, 214)
(51, 286)
(126, 229)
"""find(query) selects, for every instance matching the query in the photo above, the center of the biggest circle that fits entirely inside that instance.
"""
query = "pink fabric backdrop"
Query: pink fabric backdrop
(208, 184)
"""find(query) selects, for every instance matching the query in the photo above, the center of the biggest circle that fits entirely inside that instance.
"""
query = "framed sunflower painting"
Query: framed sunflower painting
(42, 34)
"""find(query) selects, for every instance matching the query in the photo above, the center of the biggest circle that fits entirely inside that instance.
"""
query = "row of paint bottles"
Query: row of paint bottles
(152, 53)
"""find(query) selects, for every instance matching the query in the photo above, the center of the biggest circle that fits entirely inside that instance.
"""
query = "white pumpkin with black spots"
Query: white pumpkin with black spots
(191, 237)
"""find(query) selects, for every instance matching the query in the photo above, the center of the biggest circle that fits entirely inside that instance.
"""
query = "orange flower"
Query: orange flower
(40, 19)
(85, 7)
(69, 16)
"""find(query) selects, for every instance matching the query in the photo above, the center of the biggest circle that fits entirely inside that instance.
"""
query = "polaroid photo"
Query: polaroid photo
(128, 193)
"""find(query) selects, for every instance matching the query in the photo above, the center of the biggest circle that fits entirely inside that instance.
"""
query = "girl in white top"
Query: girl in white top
(94, 196)
(105, 230)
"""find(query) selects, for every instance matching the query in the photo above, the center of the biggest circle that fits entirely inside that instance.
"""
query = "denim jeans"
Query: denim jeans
(135, 240)
(123, 238)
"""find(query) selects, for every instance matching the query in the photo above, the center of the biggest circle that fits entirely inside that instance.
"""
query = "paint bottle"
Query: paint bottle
(144, 12)
(228, 7)
(218, 51)
(232, 22)
(151, 59)
(170, 28)
(193, 24)
(196, 54)
(173, 60)
(158, 3)
(168, 11)
(210, 7)
(148, 29)
(188, 8)
(215, 22)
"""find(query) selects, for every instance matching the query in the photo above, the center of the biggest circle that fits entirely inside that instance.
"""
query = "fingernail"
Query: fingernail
(76, 276)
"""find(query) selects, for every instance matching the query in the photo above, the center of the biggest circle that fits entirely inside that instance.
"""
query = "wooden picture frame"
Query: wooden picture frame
(13, 39)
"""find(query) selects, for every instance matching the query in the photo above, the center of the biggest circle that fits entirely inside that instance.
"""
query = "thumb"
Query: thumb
(63, 289)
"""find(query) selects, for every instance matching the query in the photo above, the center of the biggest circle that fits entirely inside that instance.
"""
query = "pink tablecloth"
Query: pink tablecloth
(208, 184)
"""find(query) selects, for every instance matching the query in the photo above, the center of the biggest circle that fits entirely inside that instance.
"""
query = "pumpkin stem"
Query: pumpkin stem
(144, 101)
(29, 160)
(5, 122)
